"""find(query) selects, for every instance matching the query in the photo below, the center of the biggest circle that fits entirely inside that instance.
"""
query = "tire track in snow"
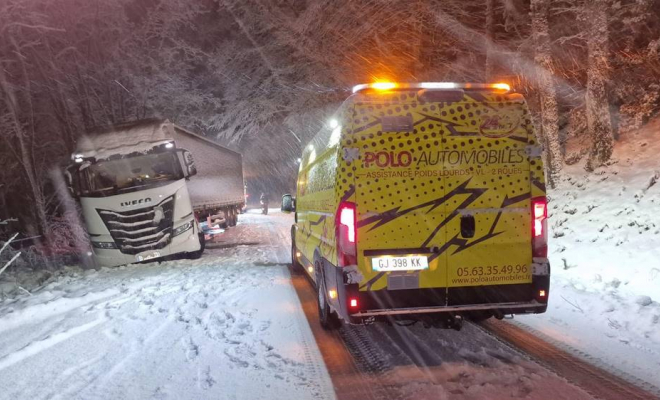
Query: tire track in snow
(39, 346)
(595, 361)
(599, 383)
(311, 353)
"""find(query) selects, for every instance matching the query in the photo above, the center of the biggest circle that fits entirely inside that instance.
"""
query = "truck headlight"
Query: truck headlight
(179, 230)
(104, 245)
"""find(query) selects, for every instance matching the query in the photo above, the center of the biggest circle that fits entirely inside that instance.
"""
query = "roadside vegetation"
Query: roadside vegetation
(261, 77)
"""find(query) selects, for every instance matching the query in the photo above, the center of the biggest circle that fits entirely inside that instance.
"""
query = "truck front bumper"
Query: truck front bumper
(187, 242)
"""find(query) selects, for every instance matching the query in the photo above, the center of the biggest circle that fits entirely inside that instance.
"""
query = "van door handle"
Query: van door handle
(468, 226)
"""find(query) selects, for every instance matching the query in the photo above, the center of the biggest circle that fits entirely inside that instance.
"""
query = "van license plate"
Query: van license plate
(406, 263)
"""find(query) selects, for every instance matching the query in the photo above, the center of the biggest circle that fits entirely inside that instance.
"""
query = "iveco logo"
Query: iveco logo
(135, 202)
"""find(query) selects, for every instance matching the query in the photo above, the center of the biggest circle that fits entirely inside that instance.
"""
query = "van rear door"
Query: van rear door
(442, 191)
(401, 206)
(490, 257)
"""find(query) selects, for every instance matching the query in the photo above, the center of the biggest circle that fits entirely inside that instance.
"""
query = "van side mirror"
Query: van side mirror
(187, 163)
(288, 203)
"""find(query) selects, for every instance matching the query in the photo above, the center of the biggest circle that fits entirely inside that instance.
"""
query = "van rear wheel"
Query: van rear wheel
(328, 319)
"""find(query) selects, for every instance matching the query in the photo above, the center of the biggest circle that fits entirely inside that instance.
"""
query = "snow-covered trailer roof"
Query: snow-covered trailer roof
(122, 139)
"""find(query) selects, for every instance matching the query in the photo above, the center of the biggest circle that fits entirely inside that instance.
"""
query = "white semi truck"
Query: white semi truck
(142, 194)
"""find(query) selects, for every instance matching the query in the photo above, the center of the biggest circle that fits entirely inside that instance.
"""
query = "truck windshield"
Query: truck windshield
(110, 177)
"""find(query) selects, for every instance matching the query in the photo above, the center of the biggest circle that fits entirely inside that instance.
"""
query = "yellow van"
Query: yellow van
(423, 202)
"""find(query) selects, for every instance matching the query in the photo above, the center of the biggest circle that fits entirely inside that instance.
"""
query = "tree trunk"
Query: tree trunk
(24, 148)
(416, 27)
(490, 34)
(599, 120)
(547, 90)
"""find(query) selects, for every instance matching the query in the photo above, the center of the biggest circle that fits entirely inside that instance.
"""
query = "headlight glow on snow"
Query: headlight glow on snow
(179, 230)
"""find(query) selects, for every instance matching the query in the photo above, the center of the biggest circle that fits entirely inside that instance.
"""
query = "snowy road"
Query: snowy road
(395, 362)
(237, 325)
(228, 326)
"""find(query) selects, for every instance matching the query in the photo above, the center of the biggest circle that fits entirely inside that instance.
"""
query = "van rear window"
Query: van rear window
(402, 123)
(448, 96)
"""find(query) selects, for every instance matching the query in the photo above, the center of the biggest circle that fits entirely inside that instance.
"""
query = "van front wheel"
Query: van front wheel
(295, 263)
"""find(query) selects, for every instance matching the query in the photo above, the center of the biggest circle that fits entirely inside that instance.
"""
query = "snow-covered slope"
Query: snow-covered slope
(605, 255)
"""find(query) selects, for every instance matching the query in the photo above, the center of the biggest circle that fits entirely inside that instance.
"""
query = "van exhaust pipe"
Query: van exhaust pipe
(498, 315)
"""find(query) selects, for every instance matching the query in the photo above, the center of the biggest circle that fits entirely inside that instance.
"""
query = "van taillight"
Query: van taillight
(346, 234)
(539, 227)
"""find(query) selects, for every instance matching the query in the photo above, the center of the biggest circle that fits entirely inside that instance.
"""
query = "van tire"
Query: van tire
(296, 267)
(195, 255)
(328, 319)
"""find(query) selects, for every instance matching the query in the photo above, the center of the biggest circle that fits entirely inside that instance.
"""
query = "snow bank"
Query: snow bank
(605, 256)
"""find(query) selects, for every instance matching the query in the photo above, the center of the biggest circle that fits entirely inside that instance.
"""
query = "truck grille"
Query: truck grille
(135, 231)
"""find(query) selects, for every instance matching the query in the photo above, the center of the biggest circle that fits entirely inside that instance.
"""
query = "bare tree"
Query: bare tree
(594, 15)
(546, 88)
(20, 138)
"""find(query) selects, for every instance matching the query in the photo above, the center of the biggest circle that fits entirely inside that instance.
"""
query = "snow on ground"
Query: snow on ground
(605, 256)
(227, 326)
(231, 326)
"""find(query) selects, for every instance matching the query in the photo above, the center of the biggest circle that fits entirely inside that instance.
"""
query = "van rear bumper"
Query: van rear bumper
(505, 308)
(527, 298)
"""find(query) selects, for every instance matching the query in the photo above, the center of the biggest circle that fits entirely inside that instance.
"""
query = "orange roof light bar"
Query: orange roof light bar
(383, 85)
(431, 85)
(501, 86)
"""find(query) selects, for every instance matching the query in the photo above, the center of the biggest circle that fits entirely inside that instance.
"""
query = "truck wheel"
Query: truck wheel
(198, 254)
(229, 217)
(329, 320)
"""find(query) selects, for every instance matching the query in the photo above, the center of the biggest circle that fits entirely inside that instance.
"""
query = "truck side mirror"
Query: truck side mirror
(188, 163)
(288, 203)
(70, 176)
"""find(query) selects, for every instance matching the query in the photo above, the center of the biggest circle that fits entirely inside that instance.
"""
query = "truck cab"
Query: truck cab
(131, 183)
